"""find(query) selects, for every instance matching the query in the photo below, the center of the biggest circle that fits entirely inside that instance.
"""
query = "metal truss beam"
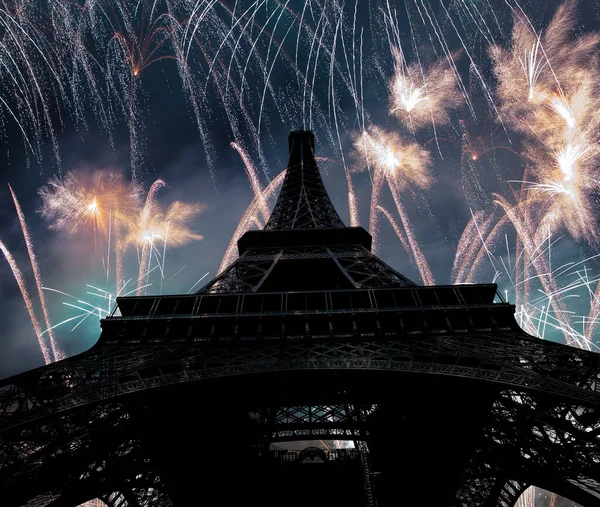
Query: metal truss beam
(362, 269)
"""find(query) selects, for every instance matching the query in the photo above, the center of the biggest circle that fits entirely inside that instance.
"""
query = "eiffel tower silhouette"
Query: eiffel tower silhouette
(245, 391)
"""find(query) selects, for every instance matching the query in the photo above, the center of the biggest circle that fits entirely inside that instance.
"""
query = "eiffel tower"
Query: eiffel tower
(244, 392)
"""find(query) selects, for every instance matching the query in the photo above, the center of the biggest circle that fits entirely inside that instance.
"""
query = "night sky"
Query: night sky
(170, 146)
(151, 90)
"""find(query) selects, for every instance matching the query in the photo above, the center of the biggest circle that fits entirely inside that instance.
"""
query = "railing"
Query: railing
(324, 455)
(436, 297)
(383, 323)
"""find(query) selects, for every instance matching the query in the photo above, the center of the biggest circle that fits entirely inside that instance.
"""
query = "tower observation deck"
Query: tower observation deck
(309, 372)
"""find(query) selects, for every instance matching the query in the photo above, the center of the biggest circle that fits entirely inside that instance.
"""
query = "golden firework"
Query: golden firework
(396, 158)
(423, 95)
(84, 199)
(548, 90)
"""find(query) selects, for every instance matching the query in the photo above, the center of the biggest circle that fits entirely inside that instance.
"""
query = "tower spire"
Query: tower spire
(303, 202)
(305, 245)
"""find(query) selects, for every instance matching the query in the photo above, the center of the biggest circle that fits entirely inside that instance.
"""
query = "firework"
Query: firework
(171, 226)
(37, 276)
(47, 353)
(142, 35)
(542, 69)
(423, 95)
(403, 161)
(253, 177)
(85, 200)
(548, 90)
(250, 219)
(403, 165)
(100, 201)
(155, 226)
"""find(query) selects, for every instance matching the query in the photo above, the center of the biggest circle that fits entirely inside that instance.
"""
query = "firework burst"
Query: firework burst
(87, 200)
(402, 165)
(539, 67)
(548, 90)
(405, 162)
(156, 226)
(423, 95)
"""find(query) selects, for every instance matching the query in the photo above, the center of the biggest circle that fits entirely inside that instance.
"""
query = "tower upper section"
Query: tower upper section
(305, 245)
(303, 202)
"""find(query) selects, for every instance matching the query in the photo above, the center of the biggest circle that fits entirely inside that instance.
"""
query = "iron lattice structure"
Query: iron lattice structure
(306, 337)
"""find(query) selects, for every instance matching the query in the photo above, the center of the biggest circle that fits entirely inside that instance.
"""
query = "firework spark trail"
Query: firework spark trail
(415, 249)
(89, 309)
(16, 30)
(532, 318)
(28, 303)
(449, 55)
(329, 52)
(397, 229)
(352, 201)
(93, 309)
(468, 247)
(521, 265)
(228, 81)
(262, 30)
(223, 73)
(247, 220)
(485, 236)
(68, 26)
(254, 180)
(170, 226)
(376, 196)
(321, 23)
(354, 218)
(538, 319)
(56, 352)
(593, 315)
(129, 52)
(119, 233)
(268, 85)
(146, 216)
(539, 263)
(196, 284)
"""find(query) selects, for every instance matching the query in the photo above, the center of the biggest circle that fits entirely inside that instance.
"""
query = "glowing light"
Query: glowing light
(407, 95)
(560, 105)
(567, 158)
(93, 206)
(171, 227)
(403, 160)
(83, 198)
(423, 95)
(402, 165)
